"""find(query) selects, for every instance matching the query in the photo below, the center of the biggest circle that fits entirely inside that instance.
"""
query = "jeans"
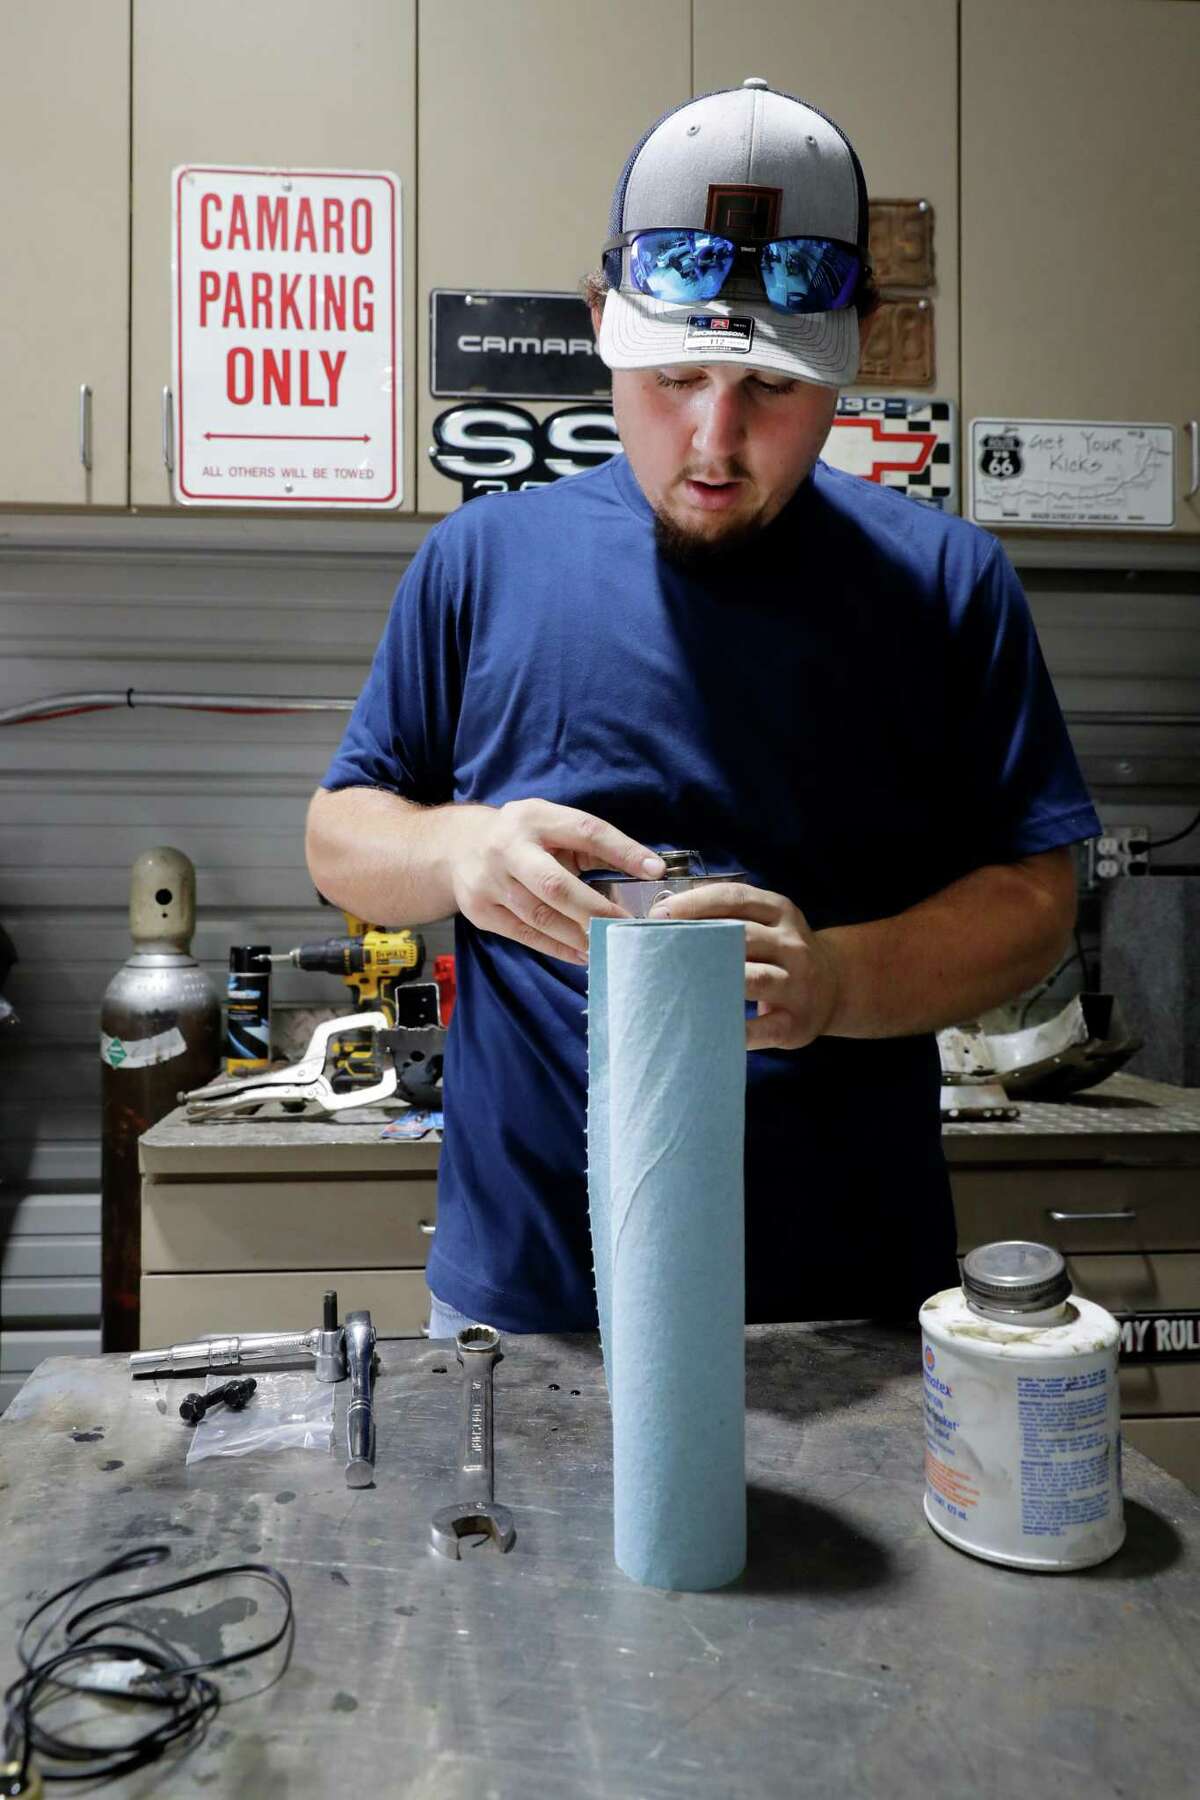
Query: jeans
(444, 1321)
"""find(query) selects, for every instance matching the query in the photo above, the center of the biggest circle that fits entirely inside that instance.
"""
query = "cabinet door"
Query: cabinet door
(886, 71)
(1081, 258)
(308, 85)
(528, 111)
(64, 223)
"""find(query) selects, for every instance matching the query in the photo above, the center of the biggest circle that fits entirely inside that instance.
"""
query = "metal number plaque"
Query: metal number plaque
(899, 350)
(902, 243)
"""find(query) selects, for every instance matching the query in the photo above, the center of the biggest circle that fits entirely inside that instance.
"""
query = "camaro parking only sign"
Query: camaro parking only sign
(286, 337)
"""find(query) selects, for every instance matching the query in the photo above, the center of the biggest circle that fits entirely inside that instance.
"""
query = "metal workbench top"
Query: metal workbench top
(858, 1655)
(1123, 1119)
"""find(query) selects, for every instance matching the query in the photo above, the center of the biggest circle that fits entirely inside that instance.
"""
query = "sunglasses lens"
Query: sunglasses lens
(808, 275)
(680, 265)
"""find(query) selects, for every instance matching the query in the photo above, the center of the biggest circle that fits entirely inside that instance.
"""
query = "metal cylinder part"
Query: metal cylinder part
(685, 869)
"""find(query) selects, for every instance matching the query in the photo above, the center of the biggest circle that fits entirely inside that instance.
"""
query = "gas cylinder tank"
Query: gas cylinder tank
(160, 1032)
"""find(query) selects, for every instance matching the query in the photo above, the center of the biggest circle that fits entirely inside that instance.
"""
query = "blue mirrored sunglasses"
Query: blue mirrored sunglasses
(798, 274)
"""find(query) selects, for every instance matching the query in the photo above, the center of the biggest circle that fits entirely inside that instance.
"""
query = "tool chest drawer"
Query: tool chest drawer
(245, 1223)
(179, 1307)
(1140, 1288)
(1077, 1208)
(282, 1223)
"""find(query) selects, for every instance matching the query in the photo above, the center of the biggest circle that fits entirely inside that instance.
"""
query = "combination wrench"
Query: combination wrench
(476, 1514)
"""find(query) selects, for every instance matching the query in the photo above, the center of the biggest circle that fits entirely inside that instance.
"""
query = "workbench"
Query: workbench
(245, 1223)
(858, 1655)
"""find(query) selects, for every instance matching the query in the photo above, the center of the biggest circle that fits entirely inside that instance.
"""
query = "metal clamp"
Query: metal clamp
(1062, 1218)
(301, 1088)
(1193, 431)
(168, 429)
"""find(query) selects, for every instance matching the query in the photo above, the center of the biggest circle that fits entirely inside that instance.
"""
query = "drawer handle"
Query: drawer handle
(426, 1227)
(168, 430)
(85, 426)
(1127, 1212)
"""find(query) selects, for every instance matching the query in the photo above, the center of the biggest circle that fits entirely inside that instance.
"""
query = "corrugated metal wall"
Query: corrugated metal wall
(295, 608)
(216, 606)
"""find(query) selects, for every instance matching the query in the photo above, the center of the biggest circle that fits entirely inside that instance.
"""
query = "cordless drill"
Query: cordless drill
(375, 963)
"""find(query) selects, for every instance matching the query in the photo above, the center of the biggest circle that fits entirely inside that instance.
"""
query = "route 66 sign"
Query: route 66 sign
(1073, 472)
(1001, 455)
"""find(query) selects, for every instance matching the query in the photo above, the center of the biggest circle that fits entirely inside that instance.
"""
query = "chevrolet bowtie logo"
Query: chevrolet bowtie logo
(873, 452)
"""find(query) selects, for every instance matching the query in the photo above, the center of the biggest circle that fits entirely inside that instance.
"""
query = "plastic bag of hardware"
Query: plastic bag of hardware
(289, 1410)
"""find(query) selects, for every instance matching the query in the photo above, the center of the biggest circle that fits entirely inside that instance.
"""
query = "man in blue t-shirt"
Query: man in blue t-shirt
(714, 642)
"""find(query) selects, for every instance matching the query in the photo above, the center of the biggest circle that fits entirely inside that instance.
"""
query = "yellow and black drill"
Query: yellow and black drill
(375, 963)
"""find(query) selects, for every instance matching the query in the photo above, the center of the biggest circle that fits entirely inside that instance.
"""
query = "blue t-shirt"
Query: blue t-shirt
(855, 712)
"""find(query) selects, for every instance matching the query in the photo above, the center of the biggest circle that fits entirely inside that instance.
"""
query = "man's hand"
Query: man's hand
(791, 971)
(515, 870)
(975, 943)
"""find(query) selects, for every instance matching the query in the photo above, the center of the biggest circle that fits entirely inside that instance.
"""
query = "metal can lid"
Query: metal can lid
(681, 865)
(249, 959)
(1015, 1275)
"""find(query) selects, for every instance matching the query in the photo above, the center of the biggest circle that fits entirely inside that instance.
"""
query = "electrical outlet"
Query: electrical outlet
(1121, 850)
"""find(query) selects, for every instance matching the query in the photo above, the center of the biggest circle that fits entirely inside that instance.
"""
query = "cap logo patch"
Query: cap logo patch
(717, 334)
(743, 212)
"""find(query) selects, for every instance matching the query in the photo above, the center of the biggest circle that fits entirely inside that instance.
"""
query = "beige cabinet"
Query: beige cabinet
(887, 72)
(246, 1223)
(308, 85)
(527, 113)
(64, 225)
(1080, 254)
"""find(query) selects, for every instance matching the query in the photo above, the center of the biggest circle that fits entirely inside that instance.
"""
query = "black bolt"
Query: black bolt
(235, 1394)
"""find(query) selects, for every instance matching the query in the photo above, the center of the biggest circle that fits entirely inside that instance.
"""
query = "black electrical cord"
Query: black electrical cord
(1076, 955)
(1161, 843)
(159, 1677)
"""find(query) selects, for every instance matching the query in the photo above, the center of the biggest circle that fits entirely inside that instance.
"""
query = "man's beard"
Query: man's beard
(697, 554)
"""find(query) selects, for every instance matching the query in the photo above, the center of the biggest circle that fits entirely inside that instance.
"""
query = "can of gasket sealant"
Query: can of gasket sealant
(1022, 1414)
(248, 1010)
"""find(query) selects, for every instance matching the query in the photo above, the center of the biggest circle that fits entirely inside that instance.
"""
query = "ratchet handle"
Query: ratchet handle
(360, 1424)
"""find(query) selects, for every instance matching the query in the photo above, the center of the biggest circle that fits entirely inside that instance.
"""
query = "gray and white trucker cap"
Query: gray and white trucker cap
(748, 162)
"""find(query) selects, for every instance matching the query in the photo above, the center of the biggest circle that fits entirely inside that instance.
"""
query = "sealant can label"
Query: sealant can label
(1022, 1434)
(248, 1011)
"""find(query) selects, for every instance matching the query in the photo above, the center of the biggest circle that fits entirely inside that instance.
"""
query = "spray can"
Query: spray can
(1022, 1414)
(248, 1010)
(160, 1031)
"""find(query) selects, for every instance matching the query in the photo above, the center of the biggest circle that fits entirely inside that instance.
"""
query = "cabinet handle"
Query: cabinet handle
(1193, 431)
(1060, 1218)
(168, 429)
(426, 1227)
(85, 426)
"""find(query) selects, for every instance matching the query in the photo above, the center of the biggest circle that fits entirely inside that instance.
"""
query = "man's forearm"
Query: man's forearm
(383, 857)
(970, 947)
